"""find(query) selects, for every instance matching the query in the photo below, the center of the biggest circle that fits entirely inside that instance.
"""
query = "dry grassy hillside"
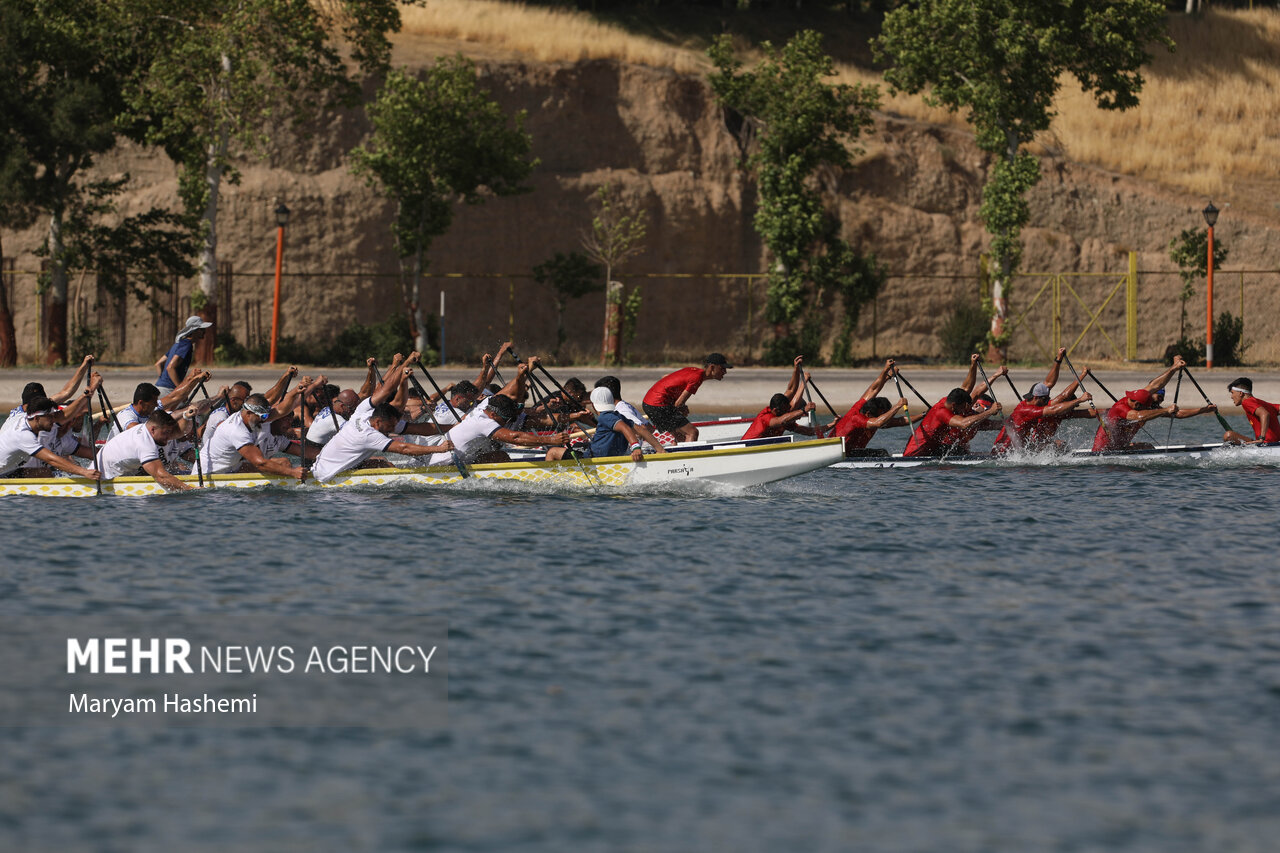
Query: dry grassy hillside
(1207, 124)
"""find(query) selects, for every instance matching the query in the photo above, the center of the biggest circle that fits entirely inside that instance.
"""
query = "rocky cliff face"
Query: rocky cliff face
(912, 198)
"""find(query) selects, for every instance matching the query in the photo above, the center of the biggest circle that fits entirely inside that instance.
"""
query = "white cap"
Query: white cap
(602, 399)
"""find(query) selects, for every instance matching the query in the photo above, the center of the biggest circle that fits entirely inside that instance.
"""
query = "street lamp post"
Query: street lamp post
(1211, 219)
(282, 219)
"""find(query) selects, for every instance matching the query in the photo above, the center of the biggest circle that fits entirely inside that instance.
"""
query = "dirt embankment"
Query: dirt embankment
(912, 199)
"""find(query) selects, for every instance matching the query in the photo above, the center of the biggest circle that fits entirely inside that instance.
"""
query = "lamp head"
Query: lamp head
(1211, 215)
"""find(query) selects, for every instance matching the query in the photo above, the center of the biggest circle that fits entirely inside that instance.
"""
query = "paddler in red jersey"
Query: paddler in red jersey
(784, 410)
(1034, 421)
(946, 427)
(1123, 420)
(1264, 417)
(666, 402)
(869, 413)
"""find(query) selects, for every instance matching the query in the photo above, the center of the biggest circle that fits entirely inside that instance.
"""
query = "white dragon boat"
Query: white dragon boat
(1249, 454)
(737, 467)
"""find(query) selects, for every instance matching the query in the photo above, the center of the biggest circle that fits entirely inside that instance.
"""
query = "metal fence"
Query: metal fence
(1130, 314)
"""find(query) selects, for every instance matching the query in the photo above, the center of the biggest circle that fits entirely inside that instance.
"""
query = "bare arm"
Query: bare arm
(391, 381)
(647, 435)
(529, 439)
(965, 422)
(793, 384)
(1163, 379)
(972, 376)
(275, 392)
(253, 455)
(158, 473)
(68, 391)
(406, 448)
(53, 460)
(367, 388)
(874, 388)
(887, 417)
(1051, 378)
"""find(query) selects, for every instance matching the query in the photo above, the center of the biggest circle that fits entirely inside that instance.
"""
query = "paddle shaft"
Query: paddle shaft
(823, 398)
(1207, 401)
(896, 374)
(1177, 389)
(906, 409)
(93, 439)
(1098, 381)
(431, 413)
(1079, 384)
(107, 407)
(990, 389)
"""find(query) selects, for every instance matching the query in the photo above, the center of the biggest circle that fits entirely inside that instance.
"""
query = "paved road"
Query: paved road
(745, 389)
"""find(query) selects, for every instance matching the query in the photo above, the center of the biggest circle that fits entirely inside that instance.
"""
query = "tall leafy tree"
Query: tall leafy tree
(438, 141)
(219, 72)
(797, 123)
(1002, 61)
(61, 63)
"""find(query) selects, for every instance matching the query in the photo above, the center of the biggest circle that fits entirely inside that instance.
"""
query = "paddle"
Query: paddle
(813, 414)
(1113, 397)
(1177, 389)
(1012, 387)
(906, 409)
(107, 407)
(1207, 401)
(302, 430)
(417, 387)
(535, 384)
(1080, 384)
(564, 395)
(431, 413)
(990, 388)
(896, 374)
(823, 398)
(87, 428)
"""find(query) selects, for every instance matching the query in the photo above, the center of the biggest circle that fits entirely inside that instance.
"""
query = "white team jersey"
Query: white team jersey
(123, 455)
(353, 444)
(470, 438)
(224, 448)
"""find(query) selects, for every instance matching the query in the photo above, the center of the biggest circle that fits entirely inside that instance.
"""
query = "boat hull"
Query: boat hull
(736, 467)
(1257, 454)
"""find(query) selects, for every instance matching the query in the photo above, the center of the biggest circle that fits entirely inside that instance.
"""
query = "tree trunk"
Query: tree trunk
(419, 317)
(998, 354)
(8, 336)
(216, 157)
(612, 350)
(56, 321)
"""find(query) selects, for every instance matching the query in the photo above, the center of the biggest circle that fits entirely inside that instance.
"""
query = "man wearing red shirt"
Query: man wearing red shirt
(666, 402)
(945, 427)
(1123, 420)
(1034, 421)
(869, 413)
(778, 416)
(1264, 417)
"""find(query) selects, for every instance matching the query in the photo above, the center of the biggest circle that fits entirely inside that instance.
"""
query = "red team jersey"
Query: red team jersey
(1034, 429)
(760, 426)
(853, 427)
(1118, 431)
(668, 389)
(1251, 406)
(934, 435)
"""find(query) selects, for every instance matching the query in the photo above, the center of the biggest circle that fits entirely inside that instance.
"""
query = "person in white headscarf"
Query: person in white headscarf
(173, 369)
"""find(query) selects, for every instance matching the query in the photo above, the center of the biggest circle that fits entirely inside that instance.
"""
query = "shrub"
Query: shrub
(964, 330)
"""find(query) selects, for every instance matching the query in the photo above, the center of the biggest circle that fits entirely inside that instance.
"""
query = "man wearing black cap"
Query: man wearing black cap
(666, 402)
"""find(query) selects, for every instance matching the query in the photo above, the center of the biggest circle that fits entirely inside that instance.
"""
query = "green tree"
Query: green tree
(217, 73)
(1003, 62)
(438, 141)
(796, 124)
(616, 234)
(60, 69)
(1190, 251)
(570, 276)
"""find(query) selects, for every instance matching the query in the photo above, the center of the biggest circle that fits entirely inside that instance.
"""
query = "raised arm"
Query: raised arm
(793, 384)
(873, 389)
(972, 376)
(1160, 381)
(391, 379)
(69, 390)
(275, 392)
(369, 382)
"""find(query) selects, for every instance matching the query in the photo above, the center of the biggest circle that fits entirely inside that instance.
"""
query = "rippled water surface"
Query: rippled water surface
(1018, 659)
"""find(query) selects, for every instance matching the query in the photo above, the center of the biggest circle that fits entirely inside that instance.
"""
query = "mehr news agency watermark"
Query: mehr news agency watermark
(383, 678)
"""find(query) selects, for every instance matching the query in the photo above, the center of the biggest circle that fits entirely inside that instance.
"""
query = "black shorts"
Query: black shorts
(667, 418)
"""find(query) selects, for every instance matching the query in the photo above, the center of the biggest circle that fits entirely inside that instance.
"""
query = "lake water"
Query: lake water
(1021, 659)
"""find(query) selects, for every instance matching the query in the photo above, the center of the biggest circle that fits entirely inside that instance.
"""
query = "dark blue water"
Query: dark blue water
(1026, 659)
